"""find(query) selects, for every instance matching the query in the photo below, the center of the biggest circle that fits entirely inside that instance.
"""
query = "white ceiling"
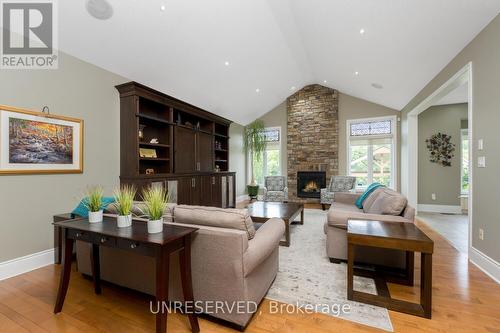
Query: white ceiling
(459, 95)
(273, 45)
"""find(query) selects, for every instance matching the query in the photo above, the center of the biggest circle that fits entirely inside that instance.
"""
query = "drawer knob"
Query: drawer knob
(133, 246)
(103, 240)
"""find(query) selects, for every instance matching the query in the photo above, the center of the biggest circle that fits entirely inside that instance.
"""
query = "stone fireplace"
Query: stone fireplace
(312, 139)
(310, 183)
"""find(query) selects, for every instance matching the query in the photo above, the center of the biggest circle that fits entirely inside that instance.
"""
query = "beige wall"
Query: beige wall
(349, 108)
(277, 117)
(432, 177)
(483, 52)
(27, 203)
(237, 157)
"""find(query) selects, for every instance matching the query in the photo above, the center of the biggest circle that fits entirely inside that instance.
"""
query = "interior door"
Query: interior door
(185, 150)
(205, 152)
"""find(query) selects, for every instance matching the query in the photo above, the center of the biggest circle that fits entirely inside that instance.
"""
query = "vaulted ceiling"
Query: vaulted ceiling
(241, 58)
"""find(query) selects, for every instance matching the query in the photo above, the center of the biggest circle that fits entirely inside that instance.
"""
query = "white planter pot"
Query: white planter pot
(95, 217)
(155, 226)
(124, 221)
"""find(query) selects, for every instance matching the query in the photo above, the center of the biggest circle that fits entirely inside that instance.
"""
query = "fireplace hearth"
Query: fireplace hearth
(310, 183)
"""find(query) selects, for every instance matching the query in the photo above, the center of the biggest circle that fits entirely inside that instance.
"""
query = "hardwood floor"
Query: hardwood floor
(464, 300)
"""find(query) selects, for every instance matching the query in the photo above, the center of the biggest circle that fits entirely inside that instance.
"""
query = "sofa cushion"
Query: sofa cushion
(215, 217)
(371, 199)
(387, 202)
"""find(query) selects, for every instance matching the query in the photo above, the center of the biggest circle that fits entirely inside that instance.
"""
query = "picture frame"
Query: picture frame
(39, 143)
(147, 153)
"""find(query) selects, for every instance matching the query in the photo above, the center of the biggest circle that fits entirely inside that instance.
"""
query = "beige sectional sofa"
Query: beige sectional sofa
(231, 261)
(382, 205)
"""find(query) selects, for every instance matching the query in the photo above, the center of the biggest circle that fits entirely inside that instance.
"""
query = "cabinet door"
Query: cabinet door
(185, 150)
(215, 181)
(184, 189)
(205, 152)
(206, 193)
(196, 190)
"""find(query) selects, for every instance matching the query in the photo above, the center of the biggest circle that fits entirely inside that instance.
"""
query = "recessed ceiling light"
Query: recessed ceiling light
(377, 85)
(257, 90)
(162, 8)
(362, 31)
(226, 63)
(324, 81)
(292, 88)
(356, 73)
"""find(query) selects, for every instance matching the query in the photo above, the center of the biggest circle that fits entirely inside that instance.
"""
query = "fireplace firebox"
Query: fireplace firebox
(310, 183)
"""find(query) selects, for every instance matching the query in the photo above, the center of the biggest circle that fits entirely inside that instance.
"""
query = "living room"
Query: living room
(285, 143)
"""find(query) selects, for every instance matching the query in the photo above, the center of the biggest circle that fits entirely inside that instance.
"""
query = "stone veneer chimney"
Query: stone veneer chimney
(313, 134)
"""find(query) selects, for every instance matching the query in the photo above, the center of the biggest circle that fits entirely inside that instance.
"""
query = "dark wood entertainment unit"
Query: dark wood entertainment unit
(190, 156)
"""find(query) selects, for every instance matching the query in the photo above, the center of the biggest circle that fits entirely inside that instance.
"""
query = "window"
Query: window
(371, 148)
(464, 174)
(269, 163)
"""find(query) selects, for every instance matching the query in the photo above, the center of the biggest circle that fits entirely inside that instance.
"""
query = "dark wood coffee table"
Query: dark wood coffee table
(262, 211)
(391, 235)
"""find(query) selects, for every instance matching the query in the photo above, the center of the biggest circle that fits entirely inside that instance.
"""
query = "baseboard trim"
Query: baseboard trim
(242, 198)
(440, 209)
(25, 264)
(489, 266)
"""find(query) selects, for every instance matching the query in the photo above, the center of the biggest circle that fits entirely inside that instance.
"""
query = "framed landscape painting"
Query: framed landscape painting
(34, 142)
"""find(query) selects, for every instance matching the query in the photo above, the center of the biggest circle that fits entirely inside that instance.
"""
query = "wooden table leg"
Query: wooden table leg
(287, 234)
(65, 272)
(96, 268)
(350, 271)
(187, 283)
(410, 267)
(302, 216)
(162, 266)
(426, 284)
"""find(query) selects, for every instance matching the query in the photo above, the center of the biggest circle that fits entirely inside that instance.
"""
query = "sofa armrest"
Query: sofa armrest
(347, 197)
(266, 240)
(340, 217)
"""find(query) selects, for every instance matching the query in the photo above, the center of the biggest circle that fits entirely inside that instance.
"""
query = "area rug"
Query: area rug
(306, 278)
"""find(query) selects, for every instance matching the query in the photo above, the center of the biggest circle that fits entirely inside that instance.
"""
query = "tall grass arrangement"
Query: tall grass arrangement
(155, 200)
(93, 199)
(124, 199)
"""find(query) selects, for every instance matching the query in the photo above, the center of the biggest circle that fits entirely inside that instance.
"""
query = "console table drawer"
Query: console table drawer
(104, 240)
(80, 235)
(139, 248)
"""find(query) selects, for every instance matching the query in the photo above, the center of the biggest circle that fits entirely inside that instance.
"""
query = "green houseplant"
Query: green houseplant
(155, 200)
(93, 202)
(255, 144)
(124, 201)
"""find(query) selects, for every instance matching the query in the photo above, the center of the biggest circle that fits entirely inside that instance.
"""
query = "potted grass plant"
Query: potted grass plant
(93, 202)
(124, 201)
(254, 144)
(155, 200)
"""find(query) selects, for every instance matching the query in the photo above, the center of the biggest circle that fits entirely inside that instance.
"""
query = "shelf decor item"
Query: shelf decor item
(94, 202)
(254, 144)
(37, 142)
(124, 201)
(140, 133)
(148, 153)
(155, 200)
(441, 149)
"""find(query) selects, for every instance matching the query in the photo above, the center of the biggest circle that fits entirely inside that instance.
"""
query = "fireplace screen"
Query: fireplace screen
(310, 183)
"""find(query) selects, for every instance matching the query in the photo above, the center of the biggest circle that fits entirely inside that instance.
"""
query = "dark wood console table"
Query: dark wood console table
(391, 235)
(135, 239)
